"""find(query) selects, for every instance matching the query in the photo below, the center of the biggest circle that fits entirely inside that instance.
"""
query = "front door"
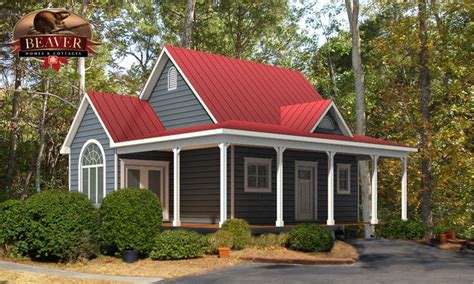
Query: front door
(152, 175)
(305, 191)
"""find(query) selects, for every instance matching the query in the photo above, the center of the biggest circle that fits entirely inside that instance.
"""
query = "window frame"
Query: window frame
(348, 168)
(170, 70)
(104, 169)
(258, 161)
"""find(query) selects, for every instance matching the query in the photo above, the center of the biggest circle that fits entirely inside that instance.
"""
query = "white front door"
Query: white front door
(305, 191)
(152, 175)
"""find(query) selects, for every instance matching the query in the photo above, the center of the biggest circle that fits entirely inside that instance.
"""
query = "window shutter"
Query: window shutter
(172, 79)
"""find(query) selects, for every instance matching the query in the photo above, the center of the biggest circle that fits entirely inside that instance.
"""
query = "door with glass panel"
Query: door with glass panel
(145, 177)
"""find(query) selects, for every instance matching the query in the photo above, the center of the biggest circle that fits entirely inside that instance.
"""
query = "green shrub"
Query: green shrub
(219, 239)
(240, 231)
(270, 240)
(310, 237)
(63, 225)
(399, 229)
(14, 228)
(178, 244)
(129, 220)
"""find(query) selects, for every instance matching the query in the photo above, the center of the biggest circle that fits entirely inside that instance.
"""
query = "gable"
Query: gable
(328, 124)
(178, 107)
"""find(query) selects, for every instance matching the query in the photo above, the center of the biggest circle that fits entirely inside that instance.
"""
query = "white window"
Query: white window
(258, 175)
(92, 171)
(172, 79)
(343, 179)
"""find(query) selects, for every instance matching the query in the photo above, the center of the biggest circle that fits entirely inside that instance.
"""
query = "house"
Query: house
(217, 138)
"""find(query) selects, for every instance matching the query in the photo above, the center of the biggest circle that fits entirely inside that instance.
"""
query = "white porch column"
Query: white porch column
(404, 189)
(176, 187)
(223, 182)
(279, 221)
(374, 220)
(330, 221)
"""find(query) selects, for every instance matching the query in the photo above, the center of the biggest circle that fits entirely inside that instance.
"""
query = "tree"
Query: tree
(352, 7)
(188, 23)
(425, 127)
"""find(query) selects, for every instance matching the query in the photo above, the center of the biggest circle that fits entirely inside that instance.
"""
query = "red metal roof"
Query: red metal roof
(126, 117)
(274, 129)
(303, 116)
(241, 90)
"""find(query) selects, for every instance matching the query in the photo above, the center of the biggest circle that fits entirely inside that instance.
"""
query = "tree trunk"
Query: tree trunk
(15, 128)
(425, 129)
(81, 62)
(42, 135)
(352, 7)
(188, 23)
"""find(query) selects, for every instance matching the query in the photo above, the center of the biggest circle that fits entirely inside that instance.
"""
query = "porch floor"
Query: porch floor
(255, 228)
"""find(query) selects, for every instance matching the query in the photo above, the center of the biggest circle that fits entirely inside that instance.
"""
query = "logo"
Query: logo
(52, 35)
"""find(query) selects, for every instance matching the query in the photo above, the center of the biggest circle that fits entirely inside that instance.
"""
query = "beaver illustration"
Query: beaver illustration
(47, 22)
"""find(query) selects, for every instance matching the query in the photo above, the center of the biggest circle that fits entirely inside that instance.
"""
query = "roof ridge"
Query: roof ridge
(233, 58)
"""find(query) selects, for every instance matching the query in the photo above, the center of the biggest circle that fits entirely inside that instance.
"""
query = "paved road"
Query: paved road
(381, 261)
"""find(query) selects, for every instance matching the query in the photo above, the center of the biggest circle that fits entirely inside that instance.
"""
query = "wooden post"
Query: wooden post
(374, 220)
(330, 221)
(404, 189)
(223, 182)
(279, 221)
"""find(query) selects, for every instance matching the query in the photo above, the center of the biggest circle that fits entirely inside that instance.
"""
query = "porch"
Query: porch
(220, 178)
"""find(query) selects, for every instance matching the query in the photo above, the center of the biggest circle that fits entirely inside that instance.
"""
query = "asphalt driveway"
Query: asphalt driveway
(381, 261)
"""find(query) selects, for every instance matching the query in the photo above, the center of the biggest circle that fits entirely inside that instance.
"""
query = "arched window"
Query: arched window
(327, 123)
(172, 79)
(92, 171)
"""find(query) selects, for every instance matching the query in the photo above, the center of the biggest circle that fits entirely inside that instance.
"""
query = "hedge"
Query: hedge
(129, 220)
(14, 228)
(178, 244)
(311, 238)
(240, 231)
(62, 225)
(399, 229)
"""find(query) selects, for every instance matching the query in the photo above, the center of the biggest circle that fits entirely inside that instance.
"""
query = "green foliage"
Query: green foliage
(310, 237)
(270, 240)
(63, 225)
(14, 228)
(129, 219)
(240, 231)
(178, 244)
(219, 239)
(404, 230)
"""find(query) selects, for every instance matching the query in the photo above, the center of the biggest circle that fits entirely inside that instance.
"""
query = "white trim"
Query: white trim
(404, 189)
(65, 149)
(115, 170)
(260, 161)
(330, 221)
(339, 120)
(104, 165)
(170, 86)
(288, 141)
(232, 182)
(374, 220)
(155, 75)
(314, 165)
(223, 182)
(348, 168)
(69, 171)
(144, 166)
(176, 187)
(280, 166)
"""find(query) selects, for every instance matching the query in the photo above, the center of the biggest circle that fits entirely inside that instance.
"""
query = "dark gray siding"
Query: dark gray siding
(90, 128)
(177, 108)
(260, 208)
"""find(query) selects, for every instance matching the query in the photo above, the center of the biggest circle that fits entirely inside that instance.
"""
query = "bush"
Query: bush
(270, 240)
(310, 237)
(63, 225)
(129, 220)
(399, 229)
(14, 228)
(178, 244)
(219, 239)
(240, 231)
